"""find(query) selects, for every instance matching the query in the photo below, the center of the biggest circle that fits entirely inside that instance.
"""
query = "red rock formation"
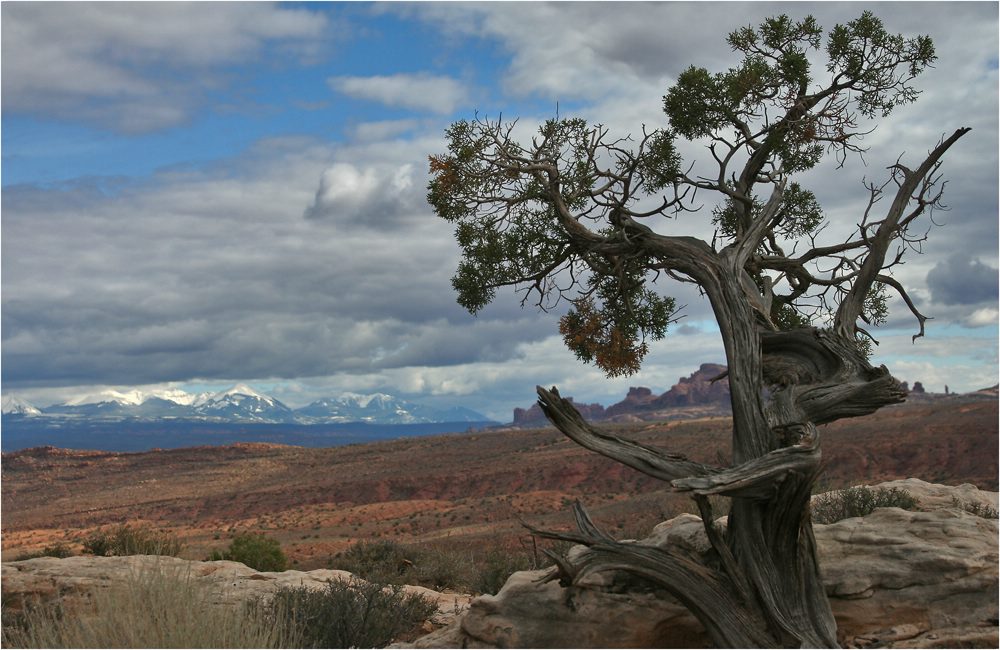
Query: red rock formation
(533, 417)
(638, 399)
(696, 390)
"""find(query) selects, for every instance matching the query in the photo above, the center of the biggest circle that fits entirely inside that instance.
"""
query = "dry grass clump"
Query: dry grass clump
(151, 609)
(482, 571)
(132, 540)
(354, 614)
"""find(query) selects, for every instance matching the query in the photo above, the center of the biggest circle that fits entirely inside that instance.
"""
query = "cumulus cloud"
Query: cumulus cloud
(128, 66)
(372, 195)
(425, 92)
(214, 273)
(961, 280)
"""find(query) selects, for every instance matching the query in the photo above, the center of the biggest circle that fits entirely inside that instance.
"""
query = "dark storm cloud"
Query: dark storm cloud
(961, 280)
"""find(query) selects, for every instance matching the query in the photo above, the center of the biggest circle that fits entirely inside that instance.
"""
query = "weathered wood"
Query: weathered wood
(565, 207)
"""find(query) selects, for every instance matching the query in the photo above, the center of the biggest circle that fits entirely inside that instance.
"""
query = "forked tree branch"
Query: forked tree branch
(648, 460)
(852, 306)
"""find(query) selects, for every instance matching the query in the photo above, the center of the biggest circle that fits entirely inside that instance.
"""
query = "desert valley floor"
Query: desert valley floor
(464, 489)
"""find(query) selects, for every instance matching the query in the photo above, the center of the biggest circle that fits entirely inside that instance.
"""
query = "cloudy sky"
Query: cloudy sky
(200, 194)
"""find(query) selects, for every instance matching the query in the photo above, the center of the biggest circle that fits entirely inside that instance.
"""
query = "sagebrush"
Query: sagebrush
(126, 539)
(858, 502)
(255, 550)
(352, 614)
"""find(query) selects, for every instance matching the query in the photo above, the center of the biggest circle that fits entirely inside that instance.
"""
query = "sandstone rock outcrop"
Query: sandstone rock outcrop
(71, 579)
(697, 389)
(895, 578)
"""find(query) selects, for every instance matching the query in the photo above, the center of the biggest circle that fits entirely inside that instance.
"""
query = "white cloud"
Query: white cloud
(120, 64)
(982, 317)
(383, 130)
(220, 260)
(371, 195)
(418, 91)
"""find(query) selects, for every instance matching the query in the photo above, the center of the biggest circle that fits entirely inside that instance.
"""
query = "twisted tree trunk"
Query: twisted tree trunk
(760, 586)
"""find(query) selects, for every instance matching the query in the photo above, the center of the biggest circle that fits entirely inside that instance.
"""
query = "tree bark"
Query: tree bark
(761, 587)
(761, 584)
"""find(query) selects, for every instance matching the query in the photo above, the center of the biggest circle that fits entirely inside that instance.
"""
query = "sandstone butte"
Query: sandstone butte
(896, 578)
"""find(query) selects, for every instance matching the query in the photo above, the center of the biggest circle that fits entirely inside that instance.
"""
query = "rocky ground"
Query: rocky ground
(468, 489)
(896, 578)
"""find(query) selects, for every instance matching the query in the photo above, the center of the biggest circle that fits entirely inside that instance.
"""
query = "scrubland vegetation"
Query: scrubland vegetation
(157, 609)
(256, 551)
(857, 502)
(473, 571)
(149, 610)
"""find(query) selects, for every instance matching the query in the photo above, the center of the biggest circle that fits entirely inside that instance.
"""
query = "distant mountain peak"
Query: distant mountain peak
(132, 397)
(363, 401)
(243, 403)
(14, 405)
(242, 389)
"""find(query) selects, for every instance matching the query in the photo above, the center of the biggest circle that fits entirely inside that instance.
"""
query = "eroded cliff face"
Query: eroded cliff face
(895, 578)
(695, 390)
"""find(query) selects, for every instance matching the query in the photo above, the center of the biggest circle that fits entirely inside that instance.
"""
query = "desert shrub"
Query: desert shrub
(257, 551)
(378, 561)
(132, 540)
(495, 566)
(976, 508)
(151, 609)
(440, 567)
(858, 502)
(352, 614)
(59, 549)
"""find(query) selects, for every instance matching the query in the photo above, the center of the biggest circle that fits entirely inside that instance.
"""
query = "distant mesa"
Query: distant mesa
(704, 392)
(533, 416)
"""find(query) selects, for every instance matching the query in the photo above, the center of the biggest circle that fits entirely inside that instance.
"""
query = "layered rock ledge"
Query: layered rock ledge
(895, 578)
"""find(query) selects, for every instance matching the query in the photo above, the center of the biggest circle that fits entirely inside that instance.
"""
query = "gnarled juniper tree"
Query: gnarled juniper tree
(575, 214)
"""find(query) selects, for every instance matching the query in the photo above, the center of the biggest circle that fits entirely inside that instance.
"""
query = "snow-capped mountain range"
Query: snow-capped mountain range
(241, 403)
(17, 406)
